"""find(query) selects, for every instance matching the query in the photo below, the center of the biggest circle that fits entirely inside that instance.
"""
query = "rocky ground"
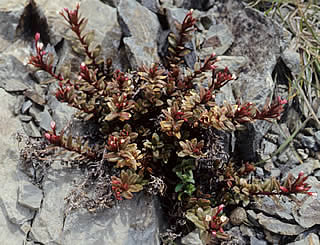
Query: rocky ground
(133, 33)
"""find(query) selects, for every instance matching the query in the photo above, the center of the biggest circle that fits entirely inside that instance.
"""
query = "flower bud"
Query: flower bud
(208, 218)
(284, 189)
(223, 218)
(212, 67)
(47, 136)
(83, 66)
(220, 208)
(37, 36)
(314, 194)
(39, 46)
(299, 188)
(53, 125)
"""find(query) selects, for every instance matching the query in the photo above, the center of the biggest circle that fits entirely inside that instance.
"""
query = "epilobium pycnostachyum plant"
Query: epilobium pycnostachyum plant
(155, 129)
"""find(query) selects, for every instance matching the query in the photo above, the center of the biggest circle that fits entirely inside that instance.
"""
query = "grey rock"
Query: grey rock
(288, 157)
(35, 97)
(275, 172)
(35, 111)
(261, 60)
(311, 239)
(152, 5)
(317, 173)
(60, 35)
(171, 3)
(236, 237)
(26, 106)
(234, 63)
(259, 39)
(62, 113)
(31, 129)
(317, 137)
(103, 20)
(303, 153)
(307, 215)
(10, 233)
(255, 241)
(292, 60)
(12, 74)
(308, 141)
(18, 105)
(218, 40)
(29, 195)
(141, 28)
(25, 118)
(252, 215)
(192, 238)
(58, 27)
(248, 141)
(268, 165)
(16, 213)
(259, 172)
(225, 95)
(247, 231)
(197, 4)
(271, 237)
(307, 167)
(48, 224)
(132, 222)
(283, 158)
(10, 12)
(279, 227)
(11, 213)
(268, 147)
(282, 210)
(45, 120)
(112, 3)
(175, 15)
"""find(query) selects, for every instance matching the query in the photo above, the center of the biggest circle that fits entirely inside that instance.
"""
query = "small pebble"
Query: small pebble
(238, 216)
(25, 106)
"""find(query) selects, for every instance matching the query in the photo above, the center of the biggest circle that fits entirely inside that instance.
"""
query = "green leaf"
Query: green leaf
(194, 219)
(172, 51)
(83, 24)
(69, 142)
(96, 52)
(159, 102)
(135, 188)
(88, 117)
(178, 187)
(124, 116)
(190, 189)
(88, 38)
(172, 41)
(184, 52)
(111, 116)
